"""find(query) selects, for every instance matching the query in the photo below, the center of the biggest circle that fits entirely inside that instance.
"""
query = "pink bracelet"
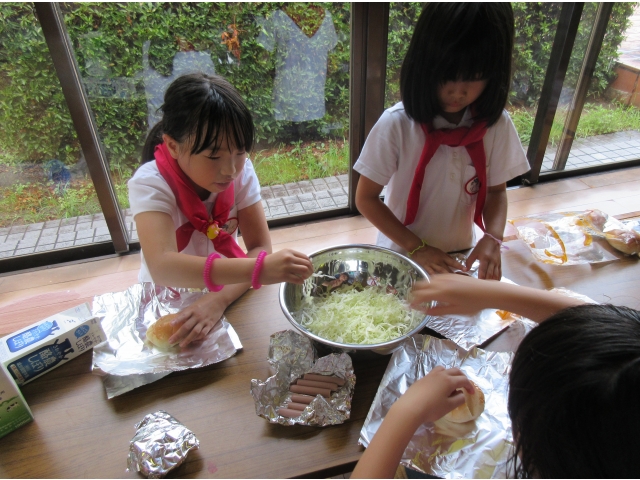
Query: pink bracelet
(206, 274)
(255, 276)
(499, 242)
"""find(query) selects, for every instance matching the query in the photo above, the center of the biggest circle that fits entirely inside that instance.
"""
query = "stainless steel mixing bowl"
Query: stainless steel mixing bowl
(363, 262)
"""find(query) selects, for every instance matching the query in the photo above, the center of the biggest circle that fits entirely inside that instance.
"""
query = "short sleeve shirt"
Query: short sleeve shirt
(444, 220)
(149, 192)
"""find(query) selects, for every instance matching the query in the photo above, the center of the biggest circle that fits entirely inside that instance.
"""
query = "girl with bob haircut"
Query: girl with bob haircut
(446, 151)
(573, 385)
(194, 188)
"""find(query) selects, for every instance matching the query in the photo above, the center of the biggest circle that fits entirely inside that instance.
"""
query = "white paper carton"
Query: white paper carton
(14, 411)
(39, 348)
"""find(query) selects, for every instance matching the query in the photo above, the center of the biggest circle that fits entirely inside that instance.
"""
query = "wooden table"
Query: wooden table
(78, 433)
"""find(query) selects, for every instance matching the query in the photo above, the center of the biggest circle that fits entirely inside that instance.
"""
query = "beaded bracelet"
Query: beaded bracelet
(206, 273)
(424, 244)
(255, 276)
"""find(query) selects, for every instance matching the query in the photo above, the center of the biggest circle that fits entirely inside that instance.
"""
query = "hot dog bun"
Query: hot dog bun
(626, 241)
(471, 409)
(160, 331)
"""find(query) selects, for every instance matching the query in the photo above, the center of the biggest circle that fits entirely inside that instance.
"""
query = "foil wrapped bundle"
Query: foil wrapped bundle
(477, 449)
(126, 361)
(160, 444)
(291, 355)
(576, 237)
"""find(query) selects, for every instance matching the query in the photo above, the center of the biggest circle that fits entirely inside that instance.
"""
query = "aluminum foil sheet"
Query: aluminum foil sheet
(126, 361)
(291, 355)
(479, 449)
(160, 444)
(569, 238)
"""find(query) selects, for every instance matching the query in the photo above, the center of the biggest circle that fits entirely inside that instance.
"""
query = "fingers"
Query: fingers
(454, 264)
(191, 330)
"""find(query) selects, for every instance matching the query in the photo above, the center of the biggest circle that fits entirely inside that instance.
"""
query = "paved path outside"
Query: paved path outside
(278, 201)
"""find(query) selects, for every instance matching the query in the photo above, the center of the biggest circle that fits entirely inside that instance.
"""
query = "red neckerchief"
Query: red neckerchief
(194, 209)
(468, 137)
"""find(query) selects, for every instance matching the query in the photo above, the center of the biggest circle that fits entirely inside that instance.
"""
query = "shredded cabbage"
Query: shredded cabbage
(365, 317)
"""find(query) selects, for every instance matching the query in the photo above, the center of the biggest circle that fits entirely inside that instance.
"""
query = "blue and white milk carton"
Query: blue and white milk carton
(14, 411)
(39, 348)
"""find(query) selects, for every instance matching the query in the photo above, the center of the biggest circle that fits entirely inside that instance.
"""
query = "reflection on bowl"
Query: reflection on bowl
(365, 264)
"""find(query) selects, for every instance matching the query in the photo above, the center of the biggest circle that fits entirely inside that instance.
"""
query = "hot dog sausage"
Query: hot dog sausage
(325, 392)
(312, 383)
(286, 412)
(296, 406)
(305, 399)
(324, 378)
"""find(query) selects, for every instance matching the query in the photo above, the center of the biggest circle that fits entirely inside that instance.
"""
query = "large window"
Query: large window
(595, 101)
(81, 84)
(47, 199)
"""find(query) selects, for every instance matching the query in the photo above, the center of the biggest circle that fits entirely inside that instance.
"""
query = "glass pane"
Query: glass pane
(570, 82)
(535, 29)
(47, 200)
(290, 62)
(609, 127)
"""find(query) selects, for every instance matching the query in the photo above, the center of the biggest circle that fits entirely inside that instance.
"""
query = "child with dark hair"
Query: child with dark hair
(447, 150)
(573, 385)
(190, 199)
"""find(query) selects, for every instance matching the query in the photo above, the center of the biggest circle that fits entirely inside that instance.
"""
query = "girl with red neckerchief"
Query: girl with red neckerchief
(194, 188)
(447, 150)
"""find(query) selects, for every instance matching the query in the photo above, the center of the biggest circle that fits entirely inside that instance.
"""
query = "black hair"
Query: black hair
(203, 109)
(573, 395)
(459, 42)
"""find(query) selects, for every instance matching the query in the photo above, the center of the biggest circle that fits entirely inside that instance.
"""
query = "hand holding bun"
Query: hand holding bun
(626, 241)
(471, 409)
(160, 331)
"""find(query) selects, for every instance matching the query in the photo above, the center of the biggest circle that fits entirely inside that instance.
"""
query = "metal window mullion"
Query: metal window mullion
(584, 80)
(549, 96)
(61, 50)
(369, 29)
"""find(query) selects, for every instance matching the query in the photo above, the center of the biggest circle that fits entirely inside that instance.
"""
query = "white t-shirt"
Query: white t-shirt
(149, 192)
(445, 216)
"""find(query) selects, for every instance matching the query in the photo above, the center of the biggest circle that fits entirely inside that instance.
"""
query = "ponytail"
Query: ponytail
(154, 138)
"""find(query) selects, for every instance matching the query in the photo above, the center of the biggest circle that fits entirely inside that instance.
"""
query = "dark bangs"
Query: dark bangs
(222, 117)
(205, 110)
(459, 42)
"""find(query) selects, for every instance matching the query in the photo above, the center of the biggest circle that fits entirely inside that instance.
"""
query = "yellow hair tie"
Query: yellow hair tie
(424, 244)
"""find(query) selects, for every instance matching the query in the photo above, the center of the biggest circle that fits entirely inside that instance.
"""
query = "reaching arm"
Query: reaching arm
(168, 267)
(459, 294)
(427, 400)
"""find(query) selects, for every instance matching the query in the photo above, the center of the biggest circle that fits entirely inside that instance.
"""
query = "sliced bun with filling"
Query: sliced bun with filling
(160, 331)
(626, 241)
(471, 409)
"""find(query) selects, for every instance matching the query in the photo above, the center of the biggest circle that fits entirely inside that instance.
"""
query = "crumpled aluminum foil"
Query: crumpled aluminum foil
(569, 238)
(126, 361)
(479, 449)
(160, 445)
(291, 355)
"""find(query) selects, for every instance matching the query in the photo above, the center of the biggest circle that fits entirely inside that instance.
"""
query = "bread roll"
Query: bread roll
(471, 409)
(626, 241)
(159, 332)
